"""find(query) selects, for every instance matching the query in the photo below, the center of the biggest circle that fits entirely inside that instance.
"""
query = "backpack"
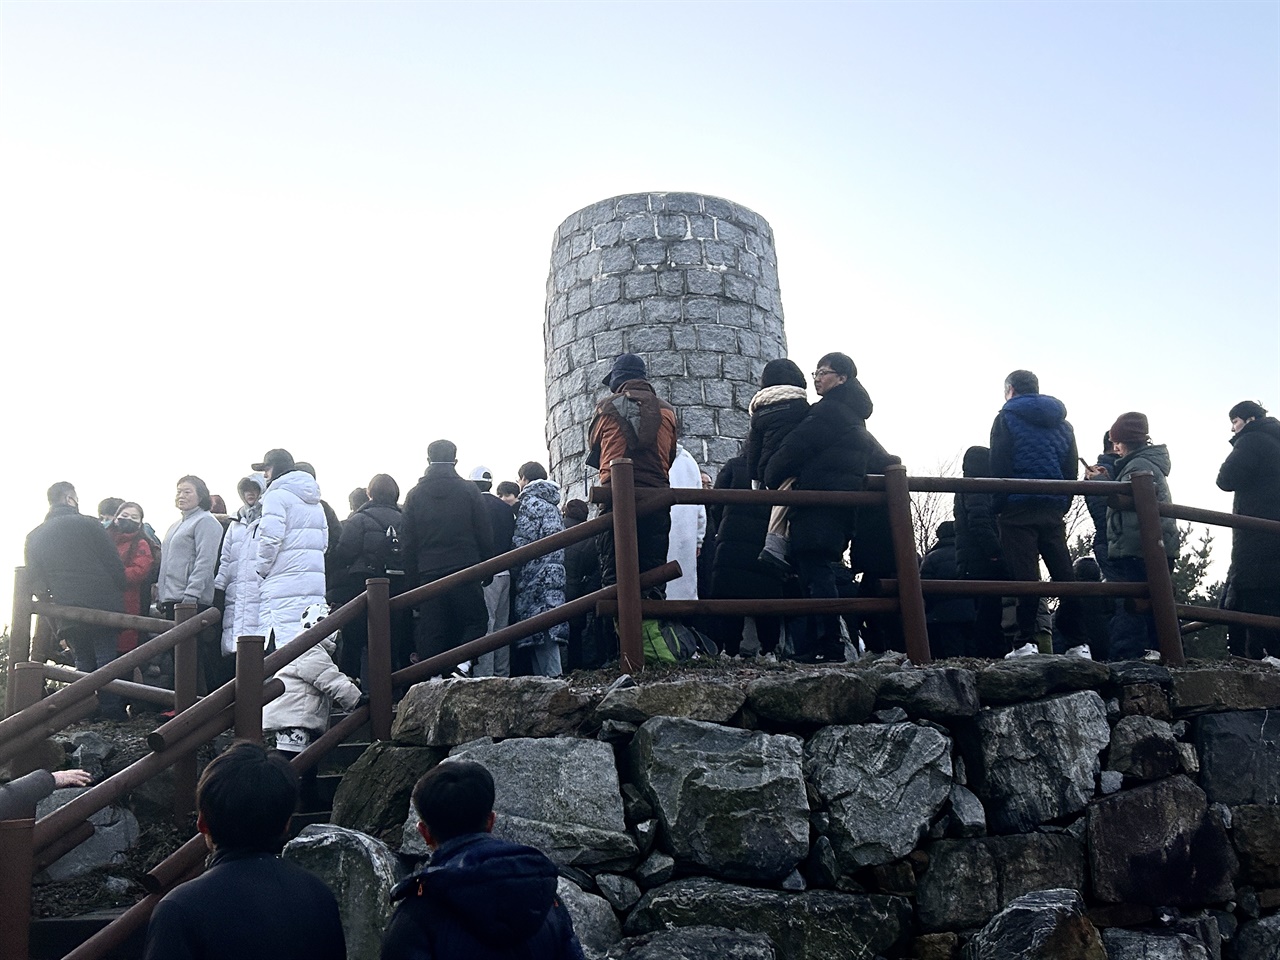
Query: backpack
(668, 642)
(391, 553)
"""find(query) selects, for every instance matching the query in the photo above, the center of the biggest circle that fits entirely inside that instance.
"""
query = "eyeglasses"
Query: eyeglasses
(819, 374)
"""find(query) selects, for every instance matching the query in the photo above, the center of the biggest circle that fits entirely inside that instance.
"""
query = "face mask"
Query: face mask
(125, 525)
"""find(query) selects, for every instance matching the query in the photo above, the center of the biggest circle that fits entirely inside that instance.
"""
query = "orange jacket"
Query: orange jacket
(634, 423)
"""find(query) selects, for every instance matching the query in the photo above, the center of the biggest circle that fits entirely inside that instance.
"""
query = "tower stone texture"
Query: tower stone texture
(688, 282)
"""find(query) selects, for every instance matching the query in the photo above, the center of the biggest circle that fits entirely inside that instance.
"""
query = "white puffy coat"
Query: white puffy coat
(312, 683)
(290, 544)
(237, 577)
(688, 527)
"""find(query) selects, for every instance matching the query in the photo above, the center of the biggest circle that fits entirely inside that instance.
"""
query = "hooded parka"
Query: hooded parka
(289, 553)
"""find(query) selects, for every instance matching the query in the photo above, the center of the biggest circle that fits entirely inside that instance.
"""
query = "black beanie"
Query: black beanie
(782, 372)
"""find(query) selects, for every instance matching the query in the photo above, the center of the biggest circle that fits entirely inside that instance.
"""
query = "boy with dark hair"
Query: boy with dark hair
(478, 898)
(248, 904)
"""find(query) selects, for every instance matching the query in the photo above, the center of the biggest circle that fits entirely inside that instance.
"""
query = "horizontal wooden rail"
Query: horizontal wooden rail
(101, 618)
(1215, 615)
(755, 608)
(126, 688)
(1237, 521)
(760, 498)
(1025, 588)
(20, 743)
(1007, 485)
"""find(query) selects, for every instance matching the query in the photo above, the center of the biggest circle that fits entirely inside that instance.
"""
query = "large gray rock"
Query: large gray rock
(1255, 830)
(1259, 939)
(375, 790)
(815, 925)
(360, 870)
(1042, 925)
(115, 833)
(444, 713)
(934, 693)
(880, 787)
(695, 943)
(968, 881)
(696, 699)
(560, 795)
(1214, 689)
(1034, 762)
(731, 802)
(593, 919)
(1159, 845)
(1143, 748)
(1144, 945)
(968, 818)
(1029, 678)
(807, 699)
(1240, 756)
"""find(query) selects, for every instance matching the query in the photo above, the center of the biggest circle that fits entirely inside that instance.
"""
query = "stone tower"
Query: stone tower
(688, 282)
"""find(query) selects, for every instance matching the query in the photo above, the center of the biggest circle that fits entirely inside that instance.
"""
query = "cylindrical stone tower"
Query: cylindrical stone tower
(688, 282)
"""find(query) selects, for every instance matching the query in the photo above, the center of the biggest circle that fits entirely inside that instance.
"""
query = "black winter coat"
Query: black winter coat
(736, 569)
(771, 421)
(940, 564)
(74, 558)
(483, 899)
(363, 550)
(446, 523)
(581, 567)
(1252, 473)
(502, 521)
(828, 450)
(872, 551)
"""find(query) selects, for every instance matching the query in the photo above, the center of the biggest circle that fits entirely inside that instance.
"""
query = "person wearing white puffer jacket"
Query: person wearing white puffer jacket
(290, 543)
(237, 575)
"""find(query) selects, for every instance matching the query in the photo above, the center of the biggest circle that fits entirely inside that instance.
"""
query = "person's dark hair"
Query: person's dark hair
(575, 510)
(246, 484)
(1247, 409)
(202, 490)
(946, 530)
(246, 796)
(1087, 569)
(305, 467)
(217, 504)
(128, 503)
(110, 506)
(1023, 382)
(976, 462)
(782, 372)
(453, 798)
(357, 498)
(383, 489)
(508, 487)
(532, 471)
(442, 451)
(59, 492)
(840, 363)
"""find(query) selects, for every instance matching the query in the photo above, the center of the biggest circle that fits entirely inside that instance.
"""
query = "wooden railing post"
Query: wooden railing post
(379, 672)
(1146, 504)
(249, 677)
(18, 856)
(19, 631)
(186, 660)
(626, 563)
(28, 690)
(910, 598)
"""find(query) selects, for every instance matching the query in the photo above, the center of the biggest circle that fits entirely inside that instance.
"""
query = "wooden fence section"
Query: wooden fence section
(26, 845)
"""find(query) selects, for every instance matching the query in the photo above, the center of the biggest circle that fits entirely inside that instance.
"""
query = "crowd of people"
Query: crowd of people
(283, 557)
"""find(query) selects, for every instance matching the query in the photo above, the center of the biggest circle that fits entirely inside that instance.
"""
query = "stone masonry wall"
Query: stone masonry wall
(688, 282)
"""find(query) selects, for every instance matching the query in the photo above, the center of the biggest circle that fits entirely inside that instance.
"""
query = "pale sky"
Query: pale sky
(232, 226)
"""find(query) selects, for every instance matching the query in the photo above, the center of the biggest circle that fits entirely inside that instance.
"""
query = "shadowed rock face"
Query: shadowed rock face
(695, 943)
(1042, 925)
(1240, 756)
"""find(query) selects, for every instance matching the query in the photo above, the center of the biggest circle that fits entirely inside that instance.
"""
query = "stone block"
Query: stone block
(702, 227)
(1255, 830)
(695, 699)
(1041, 925)
(749, 265)
(621, 891)
(617, 259)
(701, 308)
(681, 202)
(588, 265)
(1028, 678)
(633, 203)
(115, 833)
(598, 214)
(605, 290)
(661, 310)
(698, 364)
(805, 700)
(666, 363)
(1143, 749)
(717, 338)
(694, 943)
(735, 314)
(671, 283)
(737, 367)
(442, 713)
(645, 340)
(639, 227)
(718, 393)
(593, 919)
(650, 252)
(685, 393)
(623, 315)
(595, 320)
(696, 421)
(672, 226)
(716, 207)
(1149, 945)
(739, 288)
(704, 282)
(375, 790)
(578, 302)
(1259, 939)
(570, 225)
(719, 253)
(579, 244)
(934, 693)
(1145, 700)
(685, 338)
(732, 423)
(1213, 689)
(1239, 756)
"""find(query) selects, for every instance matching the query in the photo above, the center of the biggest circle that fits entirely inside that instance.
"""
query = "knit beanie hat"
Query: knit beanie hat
(1130, 428)
(626, 367)
(783, 372)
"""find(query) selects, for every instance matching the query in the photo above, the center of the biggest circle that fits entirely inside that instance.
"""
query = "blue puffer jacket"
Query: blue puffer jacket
(1031, 440)
(484, 899)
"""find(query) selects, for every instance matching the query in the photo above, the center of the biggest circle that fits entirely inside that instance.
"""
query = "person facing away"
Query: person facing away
(776, 409)
(478, 897)
(1032, 440)
(293, 535)
(1252, 473)
(538, 585)
(248, 904)
(688, 527)
(236, 577)
(73, 560)
(950, 619)
(447, 529)
(497, 594)
(634, 422)
(978, 553)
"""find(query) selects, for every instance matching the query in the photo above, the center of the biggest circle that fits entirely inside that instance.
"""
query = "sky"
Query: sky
(226, 227)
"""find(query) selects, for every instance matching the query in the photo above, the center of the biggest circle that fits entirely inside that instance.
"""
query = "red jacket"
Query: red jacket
(135, 554)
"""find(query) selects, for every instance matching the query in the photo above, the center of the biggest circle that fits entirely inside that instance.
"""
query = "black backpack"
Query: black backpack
(392, 554)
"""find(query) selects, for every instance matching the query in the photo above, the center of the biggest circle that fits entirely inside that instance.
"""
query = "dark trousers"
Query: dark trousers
(653, 533)
(1257, 642)
(820, 634)
(1029, 532)
(95, 647)
(451, 619)
(215, 669)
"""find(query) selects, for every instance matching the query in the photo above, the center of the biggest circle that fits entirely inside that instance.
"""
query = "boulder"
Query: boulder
(935, 946)
(375, 790)
(695, 943)
(360, 870)
(880, 787)
(91, 750)
(697, 699)
(1259, 939)
(1146, 945)
(444, 713)
(934, 693)
(593, 919)
(621, 892)
(814, 925)
(968, 881)
(1143, 748)
(1034, 762)
(1214, 689)
(115, 833)
(1029, 678)
(1255, 830)
(1159, 845)
(657, 869)
(1041, 925)
(1146, 700)
(1239, 756)
(560, 795)
(808, 699)
(968, 817)
(731, 802)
